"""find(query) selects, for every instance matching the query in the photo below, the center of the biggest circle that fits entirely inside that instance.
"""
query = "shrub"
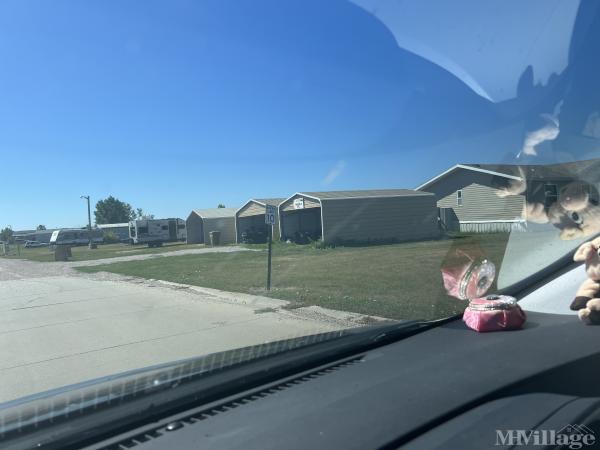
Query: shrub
(110, 238)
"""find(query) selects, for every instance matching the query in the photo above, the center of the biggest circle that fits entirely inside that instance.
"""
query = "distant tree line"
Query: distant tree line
(108, 210)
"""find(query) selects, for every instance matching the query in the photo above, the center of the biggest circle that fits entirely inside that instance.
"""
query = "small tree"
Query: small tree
(221, 205)
(6, 234)
(113, 210)
(41, 227)
(110, 237)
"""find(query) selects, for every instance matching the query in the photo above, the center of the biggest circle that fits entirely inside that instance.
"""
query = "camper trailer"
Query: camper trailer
(155, 232)
(75, 236)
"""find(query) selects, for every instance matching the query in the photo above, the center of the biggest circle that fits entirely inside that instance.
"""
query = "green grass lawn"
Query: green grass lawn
(399, 281)
(83, 253)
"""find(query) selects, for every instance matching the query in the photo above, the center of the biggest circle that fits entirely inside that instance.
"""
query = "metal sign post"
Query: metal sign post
(270, 214)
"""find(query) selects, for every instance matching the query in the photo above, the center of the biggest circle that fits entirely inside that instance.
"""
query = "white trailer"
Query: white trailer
(76, 236)
(155, 232)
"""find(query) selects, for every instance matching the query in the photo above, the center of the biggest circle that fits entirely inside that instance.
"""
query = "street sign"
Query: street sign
(299, 203)
(270, 214)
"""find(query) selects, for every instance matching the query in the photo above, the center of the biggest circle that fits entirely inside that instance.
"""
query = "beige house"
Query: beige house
(468, 194)
(201, 222)
(359, 216)
(250, 220)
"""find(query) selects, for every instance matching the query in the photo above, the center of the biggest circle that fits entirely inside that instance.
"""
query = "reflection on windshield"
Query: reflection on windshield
(191, 178)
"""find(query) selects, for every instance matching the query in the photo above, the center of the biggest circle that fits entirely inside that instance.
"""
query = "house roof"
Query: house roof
(562, 170)
(577, 169)
(267, 201)
(472, 167)
(215, 213)
(112, 225)
(368, 193)
(34, 232)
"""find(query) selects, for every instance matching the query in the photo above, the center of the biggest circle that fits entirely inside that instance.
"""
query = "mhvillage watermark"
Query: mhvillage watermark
(570, 436)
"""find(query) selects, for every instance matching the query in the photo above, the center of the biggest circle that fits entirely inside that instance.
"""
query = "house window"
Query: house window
(550, 194)
(459, 198)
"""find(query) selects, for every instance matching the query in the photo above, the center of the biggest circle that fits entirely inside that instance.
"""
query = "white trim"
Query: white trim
(322, 224)
(326, 199)
(417, 194)
(287, 200)
(493, 221)
(298, 193)
(243, 206)
(466, 167)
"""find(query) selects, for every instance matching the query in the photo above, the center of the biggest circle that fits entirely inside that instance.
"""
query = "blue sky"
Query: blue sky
(186, 104)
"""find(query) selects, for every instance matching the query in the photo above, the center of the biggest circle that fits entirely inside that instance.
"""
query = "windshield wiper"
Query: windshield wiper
(84, 413)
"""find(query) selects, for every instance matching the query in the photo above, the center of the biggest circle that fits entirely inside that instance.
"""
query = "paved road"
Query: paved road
(59, 327)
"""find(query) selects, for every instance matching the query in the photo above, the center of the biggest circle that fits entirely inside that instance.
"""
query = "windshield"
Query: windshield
(187, 178)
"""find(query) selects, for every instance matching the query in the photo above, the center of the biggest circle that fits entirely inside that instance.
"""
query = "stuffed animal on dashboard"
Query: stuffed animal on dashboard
(587, 299)
(574, 213)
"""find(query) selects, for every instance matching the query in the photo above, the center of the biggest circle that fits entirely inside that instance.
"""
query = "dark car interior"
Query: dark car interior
(447, 387)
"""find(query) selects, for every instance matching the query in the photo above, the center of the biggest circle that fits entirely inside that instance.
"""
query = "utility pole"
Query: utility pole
(90, 244)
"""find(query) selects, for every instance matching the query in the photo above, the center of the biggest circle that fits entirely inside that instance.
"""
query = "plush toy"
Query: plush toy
(587, 300)
(574, 213)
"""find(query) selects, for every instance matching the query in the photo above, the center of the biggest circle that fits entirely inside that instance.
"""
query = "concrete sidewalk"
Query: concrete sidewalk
(59, 329)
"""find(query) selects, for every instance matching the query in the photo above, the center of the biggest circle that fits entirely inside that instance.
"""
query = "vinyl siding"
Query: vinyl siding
(193, 225)
(251, 209)
(479, 197)
(308, 203)
(255, 211)
(401, 218)
(226, 225)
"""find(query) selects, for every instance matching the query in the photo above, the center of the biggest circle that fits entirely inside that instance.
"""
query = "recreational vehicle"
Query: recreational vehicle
(156, 231)
(76, 236)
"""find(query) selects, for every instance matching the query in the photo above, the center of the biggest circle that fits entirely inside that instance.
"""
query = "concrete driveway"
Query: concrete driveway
(59, 327)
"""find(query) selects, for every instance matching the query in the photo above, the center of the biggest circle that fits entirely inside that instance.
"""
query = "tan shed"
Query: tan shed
(359, 216)
(250, 220)
(201, 222)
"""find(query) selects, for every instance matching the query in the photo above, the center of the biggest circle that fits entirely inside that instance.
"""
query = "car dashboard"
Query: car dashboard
(448, 387)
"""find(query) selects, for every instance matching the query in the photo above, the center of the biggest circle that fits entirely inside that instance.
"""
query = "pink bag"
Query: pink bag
(494, 313)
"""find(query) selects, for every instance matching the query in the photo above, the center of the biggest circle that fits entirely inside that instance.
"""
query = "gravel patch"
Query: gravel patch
(14, 269)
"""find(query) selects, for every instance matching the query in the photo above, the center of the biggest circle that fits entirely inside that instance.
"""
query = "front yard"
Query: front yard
(398, 281)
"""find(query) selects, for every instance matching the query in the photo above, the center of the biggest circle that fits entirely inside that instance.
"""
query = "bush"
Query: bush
(320, 245)
(111, 238)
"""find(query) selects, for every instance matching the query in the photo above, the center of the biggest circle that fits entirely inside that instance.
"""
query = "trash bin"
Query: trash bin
(62, 253)
(215, 238)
